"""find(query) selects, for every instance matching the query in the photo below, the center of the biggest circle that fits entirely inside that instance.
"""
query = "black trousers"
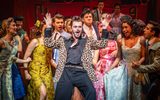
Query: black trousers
(74, 77)
(154, 89)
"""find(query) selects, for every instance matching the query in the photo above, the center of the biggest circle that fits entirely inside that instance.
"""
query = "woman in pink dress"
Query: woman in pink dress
(107, 59)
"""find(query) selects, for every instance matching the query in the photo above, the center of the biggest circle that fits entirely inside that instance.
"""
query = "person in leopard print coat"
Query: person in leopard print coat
(74, 67)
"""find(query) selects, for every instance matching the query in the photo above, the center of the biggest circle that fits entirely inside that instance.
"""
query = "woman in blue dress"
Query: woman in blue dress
(123, 82)
(17, 84)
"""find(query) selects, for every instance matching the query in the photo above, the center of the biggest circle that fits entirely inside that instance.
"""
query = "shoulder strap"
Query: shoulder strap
(6, 44)
(139, 39)
(123, 44)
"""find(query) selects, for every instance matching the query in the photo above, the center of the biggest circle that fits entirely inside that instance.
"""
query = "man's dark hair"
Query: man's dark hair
(117, 4)
(131, 22)
(155, 28)
(57, 16)
(18, 18)
(100, 1)
(76, 18)
(87, 11)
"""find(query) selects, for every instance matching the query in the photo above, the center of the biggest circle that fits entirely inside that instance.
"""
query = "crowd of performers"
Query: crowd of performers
(94, 56)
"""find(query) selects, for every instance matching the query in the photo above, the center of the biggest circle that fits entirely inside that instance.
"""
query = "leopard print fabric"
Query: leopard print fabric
(62, 55)
(86, 56)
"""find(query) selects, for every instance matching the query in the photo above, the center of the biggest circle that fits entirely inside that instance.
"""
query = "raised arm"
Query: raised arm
(49, 40)
(96, 44)
(48, 30)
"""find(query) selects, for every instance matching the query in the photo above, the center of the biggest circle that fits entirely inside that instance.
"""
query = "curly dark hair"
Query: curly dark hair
(135, 24)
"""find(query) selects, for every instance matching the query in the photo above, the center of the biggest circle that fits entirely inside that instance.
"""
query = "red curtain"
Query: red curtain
(27, 8)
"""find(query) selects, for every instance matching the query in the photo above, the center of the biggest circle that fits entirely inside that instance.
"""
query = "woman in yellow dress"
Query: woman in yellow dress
(39, 70)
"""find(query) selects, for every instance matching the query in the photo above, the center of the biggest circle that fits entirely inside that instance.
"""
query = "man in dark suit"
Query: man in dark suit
(98, 12)
(87, 18)
(152, 67)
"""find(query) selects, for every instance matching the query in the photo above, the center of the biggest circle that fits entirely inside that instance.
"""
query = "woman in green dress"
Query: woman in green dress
(7, 45)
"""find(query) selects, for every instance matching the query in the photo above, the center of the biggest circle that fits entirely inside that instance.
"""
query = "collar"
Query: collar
(100, 11)
(86, 30)
(85, 27)
(55, 31)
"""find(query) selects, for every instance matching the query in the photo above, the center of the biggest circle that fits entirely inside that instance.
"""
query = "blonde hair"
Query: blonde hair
(9, 20)
(67, 23)
(4, 24)
(3, 28)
